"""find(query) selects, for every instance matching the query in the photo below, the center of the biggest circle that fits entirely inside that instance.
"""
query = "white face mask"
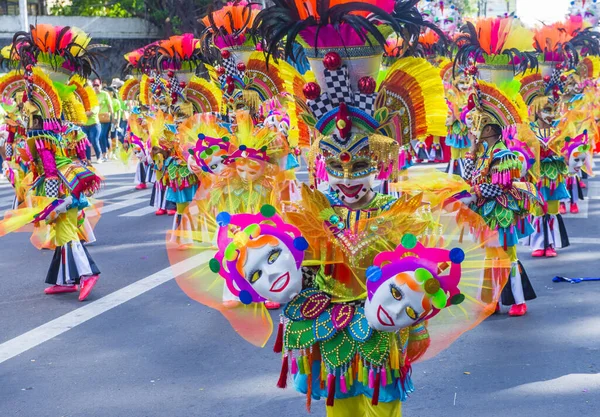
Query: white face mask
(272, 272)
(249, 169)
(546, 117)
(576, 162)
(469, 120)
(351, 190)
(215, 163)
(394, 306)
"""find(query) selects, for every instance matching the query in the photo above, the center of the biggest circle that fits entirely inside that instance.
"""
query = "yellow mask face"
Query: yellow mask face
(480, 120)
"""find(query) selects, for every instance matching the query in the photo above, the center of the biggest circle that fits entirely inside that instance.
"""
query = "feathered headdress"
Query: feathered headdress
(335, 24)
(230, 26)
(501, 106)
(495, 42)
(180, 53)
(63, 50)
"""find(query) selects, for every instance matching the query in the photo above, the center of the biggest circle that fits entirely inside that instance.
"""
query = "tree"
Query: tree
(171, 16)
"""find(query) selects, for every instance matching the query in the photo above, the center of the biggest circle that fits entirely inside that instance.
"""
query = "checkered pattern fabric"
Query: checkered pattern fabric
(230, 69)
(9, 150)
(365, 102)
(51, 186)
(337, 86)
(489, 191)
(320, 106)
(469, 169)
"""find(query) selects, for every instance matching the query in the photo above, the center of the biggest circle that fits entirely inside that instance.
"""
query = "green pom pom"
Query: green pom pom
(409, 241)
(422, 275)
(225, 139)
(214, 265)
(268, 210)
(457, 299)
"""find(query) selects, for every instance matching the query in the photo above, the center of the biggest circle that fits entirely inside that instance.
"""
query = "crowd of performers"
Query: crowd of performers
(374, 264)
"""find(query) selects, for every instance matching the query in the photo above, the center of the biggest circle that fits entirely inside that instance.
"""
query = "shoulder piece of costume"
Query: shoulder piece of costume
(130, 90)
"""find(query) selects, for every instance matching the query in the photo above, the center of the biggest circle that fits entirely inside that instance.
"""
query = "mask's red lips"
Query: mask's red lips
(350, 191)
(384, 318)
(281, 283)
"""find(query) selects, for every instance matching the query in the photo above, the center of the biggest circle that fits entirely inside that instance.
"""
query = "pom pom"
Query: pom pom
(241, 67)
(214, 265)
(268, 210)
(431, 286)
(422, 274)
(457, 299)
(170, 74)
(366, 85)
(373, 273)
(311, 90)
(245, 297)
(409, 241)
(220, 71)
(223, 218)
(243, 147)
(201, 136)
(300, 243)
(225, 54)
(457, 255)
(332, 61)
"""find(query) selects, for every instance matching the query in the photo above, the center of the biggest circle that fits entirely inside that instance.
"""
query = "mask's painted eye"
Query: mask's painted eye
(411, 313)
(273, 256)
(214, 166)
(255, 276)
(396, 293)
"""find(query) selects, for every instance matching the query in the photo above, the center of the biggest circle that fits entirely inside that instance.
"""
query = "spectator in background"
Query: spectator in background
(105, 117)
(92, 130)
(116, 121)
(125, 113)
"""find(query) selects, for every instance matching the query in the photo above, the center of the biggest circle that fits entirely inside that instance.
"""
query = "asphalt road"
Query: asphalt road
(150, 351)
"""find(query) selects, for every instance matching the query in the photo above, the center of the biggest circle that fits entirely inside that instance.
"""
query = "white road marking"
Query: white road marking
(122, 204)
(62, 324)
(139, 212)
(106, 192)
(585, 240)
(144, 194)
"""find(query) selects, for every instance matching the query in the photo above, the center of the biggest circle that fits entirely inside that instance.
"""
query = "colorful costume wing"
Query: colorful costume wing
(484, 272)
(252, 322)
(436, 186)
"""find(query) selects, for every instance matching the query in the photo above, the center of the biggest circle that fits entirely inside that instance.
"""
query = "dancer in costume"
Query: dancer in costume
(496, 113)
(457, 138)
(495, 172)
(356, 312)
(60, 185)
(545, 111)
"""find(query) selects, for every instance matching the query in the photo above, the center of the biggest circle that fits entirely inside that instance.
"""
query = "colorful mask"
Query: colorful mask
(260, 256)
(211, 154)
(577, 150)
(406, 287)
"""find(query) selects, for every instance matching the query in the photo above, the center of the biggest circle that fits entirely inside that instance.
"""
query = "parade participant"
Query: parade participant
(577, 151)
(457, 138)
(545, 112)
(494, 172)
(319, 252)
(60, 184)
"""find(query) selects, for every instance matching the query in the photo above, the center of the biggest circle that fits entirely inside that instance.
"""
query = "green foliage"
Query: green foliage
(171, 16)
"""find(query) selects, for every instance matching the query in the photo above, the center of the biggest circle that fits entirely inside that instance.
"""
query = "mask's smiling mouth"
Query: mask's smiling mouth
(384, 318)
(281, 283)
(350, 191)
